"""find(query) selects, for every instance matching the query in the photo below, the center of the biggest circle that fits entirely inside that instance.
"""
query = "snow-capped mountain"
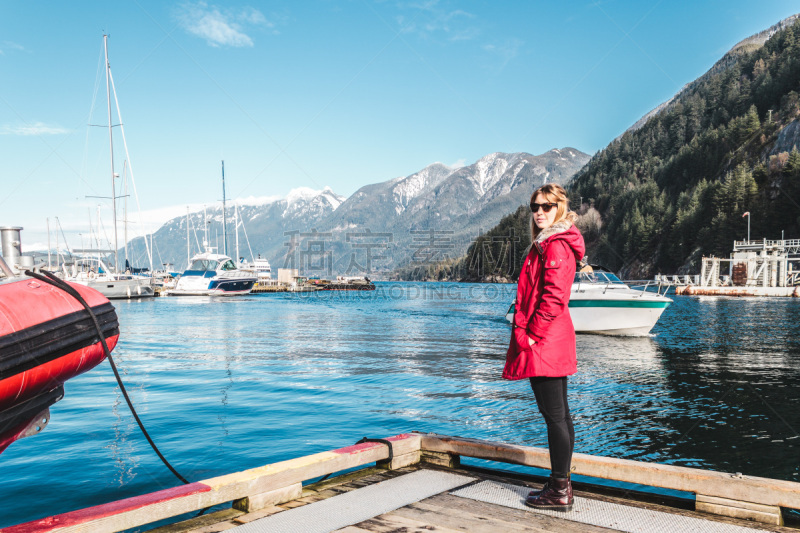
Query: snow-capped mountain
(261, 227)
(439, 210)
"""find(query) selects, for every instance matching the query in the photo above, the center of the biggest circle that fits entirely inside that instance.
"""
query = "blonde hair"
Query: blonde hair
(553, 193)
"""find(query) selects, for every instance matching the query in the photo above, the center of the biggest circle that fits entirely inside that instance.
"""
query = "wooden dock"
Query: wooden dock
(261, 289)
(472, 499)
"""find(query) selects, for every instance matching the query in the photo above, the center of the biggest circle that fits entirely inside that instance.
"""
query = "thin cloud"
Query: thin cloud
(221, 27)
(9, 46)
(504, 52)
(430, 20)
(36, 128)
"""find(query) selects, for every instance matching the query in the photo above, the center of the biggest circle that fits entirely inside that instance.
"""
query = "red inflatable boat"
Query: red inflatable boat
(46, 338)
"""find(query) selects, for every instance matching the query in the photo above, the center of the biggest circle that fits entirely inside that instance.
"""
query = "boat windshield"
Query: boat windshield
(203, 265)
(597, 277)
(228, 265)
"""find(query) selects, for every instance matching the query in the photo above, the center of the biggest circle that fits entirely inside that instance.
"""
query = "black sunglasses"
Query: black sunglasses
(546, 207)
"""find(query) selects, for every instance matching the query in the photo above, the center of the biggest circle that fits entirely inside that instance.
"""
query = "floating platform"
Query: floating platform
(345, 287)
(418, 484)
(693, 290)
(260, 289)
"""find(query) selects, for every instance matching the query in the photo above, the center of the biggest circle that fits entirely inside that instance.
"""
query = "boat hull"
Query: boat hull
(46, 338)
(120, 289)
(620, 312)
(615, 317)
(202, 286)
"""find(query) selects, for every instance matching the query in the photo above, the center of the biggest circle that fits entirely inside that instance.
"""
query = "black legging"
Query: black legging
(551, 397)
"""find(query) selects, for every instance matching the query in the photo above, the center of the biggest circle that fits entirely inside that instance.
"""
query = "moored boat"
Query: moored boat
(46, 338)
(260, 267)
(601, 303)
(211, 274)
(94, 273)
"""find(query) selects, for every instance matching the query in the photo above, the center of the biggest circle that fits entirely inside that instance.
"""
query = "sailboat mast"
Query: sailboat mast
(111, 147)
(125, 210)
(48, 245)
(58, 257)
(206, 244)
(224, 222)
(188, 250)
(236, 225)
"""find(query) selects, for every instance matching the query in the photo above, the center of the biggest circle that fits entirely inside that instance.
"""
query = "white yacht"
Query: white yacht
(96, 274)
(601, 303)
(261, 268)
(212, 274)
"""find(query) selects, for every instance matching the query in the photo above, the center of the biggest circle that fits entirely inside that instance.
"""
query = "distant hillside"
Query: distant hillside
(674, 187)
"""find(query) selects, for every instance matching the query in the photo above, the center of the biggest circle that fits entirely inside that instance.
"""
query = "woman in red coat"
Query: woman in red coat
(542, 346)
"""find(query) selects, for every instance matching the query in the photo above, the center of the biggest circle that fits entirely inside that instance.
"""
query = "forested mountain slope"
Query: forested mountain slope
(676, 188)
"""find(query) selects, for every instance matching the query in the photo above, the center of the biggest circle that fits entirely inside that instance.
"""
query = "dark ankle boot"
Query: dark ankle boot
(535, 493)
(556, 495)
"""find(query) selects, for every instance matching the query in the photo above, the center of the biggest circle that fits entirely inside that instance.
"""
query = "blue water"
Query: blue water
(232, 383)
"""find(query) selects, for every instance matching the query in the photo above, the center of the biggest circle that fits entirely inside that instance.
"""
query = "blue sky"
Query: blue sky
(325, 93)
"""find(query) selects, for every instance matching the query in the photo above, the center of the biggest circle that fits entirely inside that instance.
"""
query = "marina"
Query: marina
(256, 396)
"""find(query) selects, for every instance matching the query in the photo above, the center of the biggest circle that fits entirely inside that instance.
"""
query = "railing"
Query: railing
(765, 243)
(644, 285)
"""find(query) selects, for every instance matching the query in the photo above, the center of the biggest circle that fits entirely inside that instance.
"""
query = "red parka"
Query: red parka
(542, 311)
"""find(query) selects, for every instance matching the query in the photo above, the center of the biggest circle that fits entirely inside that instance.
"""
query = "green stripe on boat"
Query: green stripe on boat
(617, 303)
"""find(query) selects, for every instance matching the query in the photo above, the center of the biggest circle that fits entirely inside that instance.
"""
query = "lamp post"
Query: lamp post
(747, 214)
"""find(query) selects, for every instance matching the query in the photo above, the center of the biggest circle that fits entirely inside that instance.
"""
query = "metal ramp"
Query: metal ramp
(599, 513)
(358, 505)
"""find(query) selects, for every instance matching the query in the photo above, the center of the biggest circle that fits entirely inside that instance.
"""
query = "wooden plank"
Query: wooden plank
(442, 459)
(256, 502)
(733, 503)
(766, 514)
(343, 478)
(293, 504)
(720, 484)
(461, 520)
(200, 521)
(400, 461)
(249, 517)
(458, 506)
(215, 528)
(141, 510)
(162, 504)
(392, 523)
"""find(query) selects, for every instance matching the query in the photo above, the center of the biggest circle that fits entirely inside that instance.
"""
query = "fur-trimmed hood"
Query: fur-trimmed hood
(559, 227)
(563, 230)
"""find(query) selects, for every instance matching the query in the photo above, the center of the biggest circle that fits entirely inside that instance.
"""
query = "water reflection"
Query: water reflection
(229, 384)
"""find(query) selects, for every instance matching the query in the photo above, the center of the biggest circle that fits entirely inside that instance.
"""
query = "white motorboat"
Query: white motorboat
(601, 303)
(211, 274)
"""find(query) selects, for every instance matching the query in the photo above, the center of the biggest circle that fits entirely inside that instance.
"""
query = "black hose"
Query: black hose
(51, 279)
(381, 441)
(362, 441)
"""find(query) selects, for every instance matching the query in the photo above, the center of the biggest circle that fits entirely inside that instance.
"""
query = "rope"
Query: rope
(51, 279)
